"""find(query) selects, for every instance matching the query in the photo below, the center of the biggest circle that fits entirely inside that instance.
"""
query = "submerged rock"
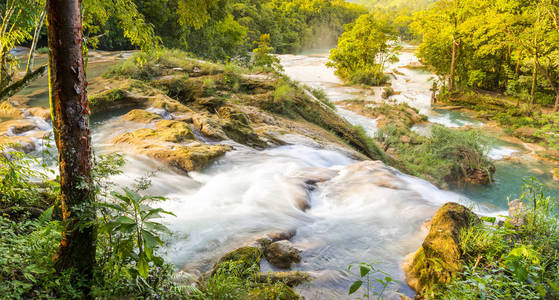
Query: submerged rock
(43, 113)
(282, 254)
(438, 258)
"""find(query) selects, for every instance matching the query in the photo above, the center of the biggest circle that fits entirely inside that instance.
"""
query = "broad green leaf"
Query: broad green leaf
(364, 269)
(112, 206)
(46, 215)
(143, 268)
(355, 286)
(125, 220)
(156, 227)
(155, 213)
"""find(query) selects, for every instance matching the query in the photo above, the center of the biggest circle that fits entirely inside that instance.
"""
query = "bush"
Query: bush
(372, 78)
(513, 260)
(448, 156)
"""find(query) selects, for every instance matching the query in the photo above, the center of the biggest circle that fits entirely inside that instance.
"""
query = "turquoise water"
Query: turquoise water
(38, 94)
(509, 178)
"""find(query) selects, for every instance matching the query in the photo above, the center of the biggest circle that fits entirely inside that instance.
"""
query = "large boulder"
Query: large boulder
(173, 143)
(439, 257)
(282, 254)
(165, 131)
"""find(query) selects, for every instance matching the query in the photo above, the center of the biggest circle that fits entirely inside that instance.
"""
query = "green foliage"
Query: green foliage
(26, 267)
(122, 14)
(133, 228)
(366, 271)
(17, 170)
(262, 54)
(500, 45)
(42, 50)
(127, 260)
(364, 50)
(512, 261)
(448, 156)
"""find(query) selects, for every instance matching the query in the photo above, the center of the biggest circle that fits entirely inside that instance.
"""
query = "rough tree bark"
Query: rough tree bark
(68, 91)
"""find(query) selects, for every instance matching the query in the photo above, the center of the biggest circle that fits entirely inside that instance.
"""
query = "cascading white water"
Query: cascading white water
(343, 211)
(356, 211)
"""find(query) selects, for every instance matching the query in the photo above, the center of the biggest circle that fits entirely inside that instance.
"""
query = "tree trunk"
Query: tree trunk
(452, 65)
(37, 32)
(68, 90)
(534, 82)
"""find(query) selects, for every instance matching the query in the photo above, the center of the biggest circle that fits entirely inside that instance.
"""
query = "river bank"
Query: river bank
(359, 210)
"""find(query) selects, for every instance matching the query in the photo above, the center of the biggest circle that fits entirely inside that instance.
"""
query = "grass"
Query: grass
(511, 261)
(446, 158)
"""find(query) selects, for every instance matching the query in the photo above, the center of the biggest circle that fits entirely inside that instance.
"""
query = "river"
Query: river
(360, 211)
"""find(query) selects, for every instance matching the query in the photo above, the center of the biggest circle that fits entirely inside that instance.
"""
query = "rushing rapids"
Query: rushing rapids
(344, 211)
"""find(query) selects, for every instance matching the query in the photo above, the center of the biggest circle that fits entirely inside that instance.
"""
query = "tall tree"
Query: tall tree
(68, 91)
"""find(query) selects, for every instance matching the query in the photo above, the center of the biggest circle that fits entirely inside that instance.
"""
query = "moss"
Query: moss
(141, 116)
(291, 278)
(244, 261)
(166, 131)
(438, 259)
(107, 100)
(237, 127)
(292, 102)
(179, 88)
(275, 291)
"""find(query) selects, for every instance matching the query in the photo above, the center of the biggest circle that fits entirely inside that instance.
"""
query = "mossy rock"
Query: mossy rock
(190, 158)
(17, 126)
(8, 111)
(438, 259)
(242, 262)
(141, 116)
(290, 278)
(272, 291)
(109, 99)
(528, 134)
(165, 131)
(179, 88)
(243, 134)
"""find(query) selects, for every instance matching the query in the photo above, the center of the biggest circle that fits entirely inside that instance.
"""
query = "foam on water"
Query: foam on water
(357, 210)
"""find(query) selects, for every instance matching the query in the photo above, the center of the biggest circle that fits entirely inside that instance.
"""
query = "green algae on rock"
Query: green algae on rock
(439, 257)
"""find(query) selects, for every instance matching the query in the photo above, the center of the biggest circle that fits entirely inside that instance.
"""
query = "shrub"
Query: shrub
(513, 260)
